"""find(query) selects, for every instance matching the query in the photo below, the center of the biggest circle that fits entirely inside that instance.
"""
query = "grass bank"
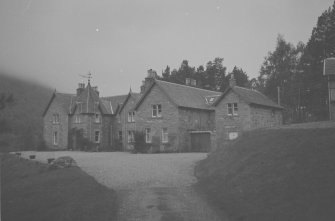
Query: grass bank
(283, 174)
(29, 191)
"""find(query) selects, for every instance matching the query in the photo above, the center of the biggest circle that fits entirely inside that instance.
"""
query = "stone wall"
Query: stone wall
(193, 120)
(168, 120)
(265, 117)
(61, 128)
(225, 124)
(125, 125)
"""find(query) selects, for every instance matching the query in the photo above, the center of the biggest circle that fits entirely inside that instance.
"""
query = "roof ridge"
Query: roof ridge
(188, 86)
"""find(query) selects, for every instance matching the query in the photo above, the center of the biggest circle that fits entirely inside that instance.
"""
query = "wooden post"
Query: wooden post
(278, 88)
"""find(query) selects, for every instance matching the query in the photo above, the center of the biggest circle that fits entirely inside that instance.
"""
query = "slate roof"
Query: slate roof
(329, 66)
(114, 102)
(185, 96)
(63, 99)
(251, 97)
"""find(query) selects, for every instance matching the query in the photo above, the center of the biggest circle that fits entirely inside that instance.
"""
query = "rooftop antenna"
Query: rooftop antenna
(88, 76)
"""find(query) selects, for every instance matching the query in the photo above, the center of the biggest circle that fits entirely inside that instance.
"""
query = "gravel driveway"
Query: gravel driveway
(149, 186)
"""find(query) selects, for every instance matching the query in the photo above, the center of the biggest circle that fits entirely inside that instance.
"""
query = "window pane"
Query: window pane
(230, 109)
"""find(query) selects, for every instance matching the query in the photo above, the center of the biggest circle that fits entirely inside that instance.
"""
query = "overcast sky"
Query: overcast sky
(53, 41)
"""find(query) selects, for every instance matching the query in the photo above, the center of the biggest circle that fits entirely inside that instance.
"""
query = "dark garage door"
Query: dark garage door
(200, 142)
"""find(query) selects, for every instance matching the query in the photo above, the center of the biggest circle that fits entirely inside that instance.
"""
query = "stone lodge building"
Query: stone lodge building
(173, 117)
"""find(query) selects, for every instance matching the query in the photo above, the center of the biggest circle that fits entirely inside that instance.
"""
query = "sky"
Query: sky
(54, 42)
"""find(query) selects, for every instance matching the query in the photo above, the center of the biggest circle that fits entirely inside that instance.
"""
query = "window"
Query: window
(77, 119)
(131, 138)
(188, 81)
(193, 82)
(156, 110)
(55, 118)
(97, 136)
(232, 109)
(165, 135)
(80, 107)
(97, 118)
(148, 135)
(131, 116)
(120, 135)
(55, 138)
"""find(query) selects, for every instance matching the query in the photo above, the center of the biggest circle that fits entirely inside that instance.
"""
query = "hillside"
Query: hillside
(24, 116)
(278, 174)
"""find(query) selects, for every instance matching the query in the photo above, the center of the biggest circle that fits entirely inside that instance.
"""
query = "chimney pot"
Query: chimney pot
(232, 81)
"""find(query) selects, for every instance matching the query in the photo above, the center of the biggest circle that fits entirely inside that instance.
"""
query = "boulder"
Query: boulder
(63, 162)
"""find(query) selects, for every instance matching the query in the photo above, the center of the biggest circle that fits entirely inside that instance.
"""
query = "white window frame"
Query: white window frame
(165, 135)
(55, 118)
(95, 136)
(232, 109)
(156, 110)
(131, 116)
(55, 137)
(77, 119)
(130, 136)
(148, 137)
(97, 118)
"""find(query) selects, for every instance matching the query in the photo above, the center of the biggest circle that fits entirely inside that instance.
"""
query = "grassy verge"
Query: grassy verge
(30, 191)
(284, 174)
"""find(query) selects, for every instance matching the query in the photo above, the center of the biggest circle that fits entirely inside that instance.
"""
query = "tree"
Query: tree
(166, 74)
(240, 76)
(6, 100)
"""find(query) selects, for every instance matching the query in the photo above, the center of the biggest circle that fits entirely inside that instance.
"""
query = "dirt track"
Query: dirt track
(150, 187)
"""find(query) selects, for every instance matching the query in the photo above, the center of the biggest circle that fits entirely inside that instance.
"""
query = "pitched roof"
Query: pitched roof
(114, 102)
(65, 101)
(329, 66)
(136, 96)
(251, 97)
(184, 96)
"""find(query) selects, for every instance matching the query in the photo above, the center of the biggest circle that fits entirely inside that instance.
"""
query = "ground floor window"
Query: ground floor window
(165, 135)
(97, 136)
(148, 137)
(131, 138)
(55, 138)
(120, 135)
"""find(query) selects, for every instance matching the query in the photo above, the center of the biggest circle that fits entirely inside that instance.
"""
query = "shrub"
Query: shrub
(140, 146)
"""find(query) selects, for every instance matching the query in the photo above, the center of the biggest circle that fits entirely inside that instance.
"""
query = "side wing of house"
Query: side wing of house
(232, 115)
(127, 118)
(56, 124)
(265, 117)
(157, 117)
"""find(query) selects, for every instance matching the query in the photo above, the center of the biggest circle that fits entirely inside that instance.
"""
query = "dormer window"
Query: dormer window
(131, 116)
(97, 118)
(55, 118)
(157, 110)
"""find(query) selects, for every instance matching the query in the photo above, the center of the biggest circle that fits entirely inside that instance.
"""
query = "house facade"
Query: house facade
(173, 117)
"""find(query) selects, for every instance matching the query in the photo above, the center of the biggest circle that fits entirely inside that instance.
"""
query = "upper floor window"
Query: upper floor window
(156, 110)
(232, 109)
(148, 137)
(165, 135)
(97, 118)
(80, 107)
(55, 118)
(131, 116)
(97, 136)
(77, 119)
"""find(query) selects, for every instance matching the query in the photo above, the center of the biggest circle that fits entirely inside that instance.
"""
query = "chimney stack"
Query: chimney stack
(81, 88)
(232, 81)
(149, 80)
(95, 88)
